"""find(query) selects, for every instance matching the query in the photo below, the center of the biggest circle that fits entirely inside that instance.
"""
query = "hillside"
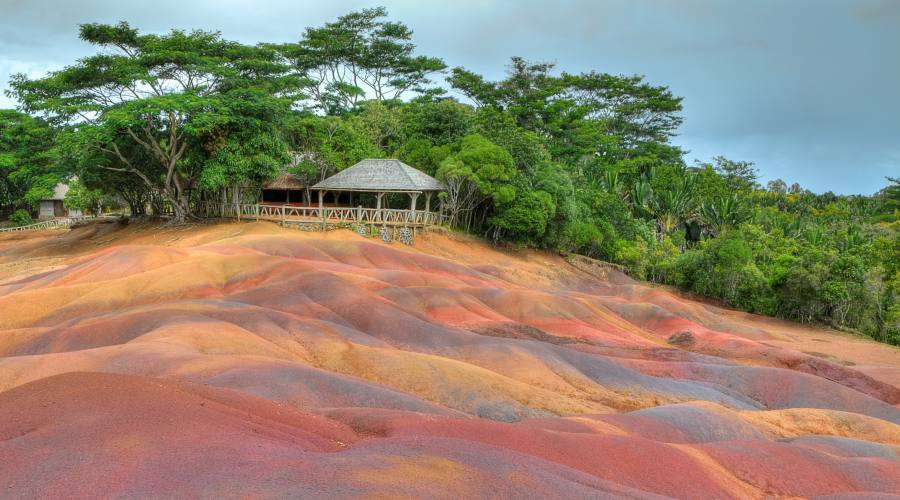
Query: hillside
(247, 359)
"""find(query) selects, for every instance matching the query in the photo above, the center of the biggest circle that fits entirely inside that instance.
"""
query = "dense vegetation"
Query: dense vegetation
(573, 162)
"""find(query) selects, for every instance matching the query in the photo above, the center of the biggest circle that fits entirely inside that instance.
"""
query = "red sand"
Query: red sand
(249, 360)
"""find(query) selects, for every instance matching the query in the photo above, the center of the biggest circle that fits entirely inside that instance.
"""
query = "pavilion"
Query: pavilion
(380, 177)
(287, 199)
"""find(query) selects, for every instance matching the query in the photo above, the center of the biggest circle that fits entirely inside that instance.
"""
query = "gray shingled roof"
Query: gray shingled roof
(381, 175)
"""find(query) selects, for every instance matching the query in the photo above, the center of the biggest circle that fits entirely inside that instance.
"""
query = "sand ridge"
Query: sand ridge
(343, 366)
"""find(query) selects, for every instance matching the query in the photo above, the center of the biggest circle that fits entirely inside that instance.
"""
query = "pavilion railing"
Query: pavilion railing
(359, 215)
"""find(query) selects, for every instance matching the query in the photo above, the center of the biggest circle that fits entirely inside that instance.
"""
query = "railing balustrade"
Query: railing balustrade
(288, 213)
(45, 224)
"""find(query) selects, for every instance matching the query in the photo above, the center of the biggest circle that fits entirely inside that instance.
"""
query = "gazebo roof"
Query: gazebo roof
(381, 175)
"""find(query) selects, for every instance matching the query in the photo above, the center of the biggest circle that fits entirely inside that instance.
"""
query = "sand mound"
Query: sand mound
(281, 363)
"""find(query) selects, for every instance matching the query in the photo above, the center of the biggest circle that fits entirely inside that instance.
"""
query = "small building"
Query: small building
(55, 205)
(287, 188)
(380, 177)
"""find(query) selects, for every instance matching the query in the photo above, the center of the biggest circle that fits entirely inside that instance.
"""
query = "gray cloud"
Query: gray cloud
(806, 89)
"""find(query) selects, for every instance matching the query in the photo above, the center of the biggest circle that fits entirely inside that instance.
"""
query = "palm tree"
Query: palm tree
(641, 197)
(723, 212)
(677, 205)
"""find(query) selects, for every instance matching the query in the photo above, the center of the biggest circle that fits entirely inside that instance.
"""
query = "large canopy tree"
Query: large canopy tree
(359, 55)
(610, 116)
(204, 109)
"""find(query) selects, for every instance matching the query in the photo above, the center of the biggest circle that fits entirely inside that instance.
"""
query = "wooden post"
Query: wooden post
(322, 210)
(427, 206)
(283, 215)
(237, 202)
(257, 211)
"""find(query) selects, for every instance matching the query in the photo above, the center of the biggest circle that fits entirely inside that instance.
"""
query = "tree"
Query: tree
(723, 212)
(440, 122)
(481, 167)
(29, 163)
(82, 198)
(360, 53)
(613, 117)
(636, 113)
(205, 109)
(777, 186)
(739, 175)
(323, 145)
(676, 205)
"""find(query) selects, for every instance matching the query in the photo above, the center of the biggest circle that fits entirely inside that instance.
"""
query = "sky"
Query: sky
(808, 90)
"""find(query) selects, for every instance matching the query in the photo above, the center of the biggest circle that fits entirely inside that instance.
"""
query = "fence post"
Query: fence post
(256, 210)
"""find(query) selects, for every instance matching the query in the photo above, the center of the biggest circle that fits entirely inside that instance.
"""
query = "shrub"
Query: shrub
(21, 217)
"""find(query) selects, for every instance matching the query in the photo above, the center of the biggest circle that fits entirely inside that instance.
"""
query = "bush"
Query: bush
(21, 217)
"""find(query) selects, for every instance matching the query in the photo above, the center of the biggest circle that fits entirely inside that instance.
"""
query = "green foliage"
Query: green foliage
(488, 165)
(725, 268)
(525, 218)
(739, 176)
(81, 197)
(29, 163)
(723, 212)
(676, 203)
(188, 100)
(21, 217)
(360, 52)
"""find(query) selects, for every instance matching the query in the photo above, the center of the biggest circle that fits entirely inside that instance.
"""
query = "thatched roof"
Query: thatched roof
(381, 175)
(287, 180)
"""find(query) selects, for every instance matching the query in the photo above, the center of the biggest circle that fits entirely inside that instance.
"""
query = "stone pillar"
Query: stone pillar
(378, 197)
(412, 207)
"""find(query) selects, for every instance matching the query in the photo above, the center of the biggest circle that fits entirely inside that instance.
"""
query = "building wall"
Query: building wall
(54, 208)
(47, 209)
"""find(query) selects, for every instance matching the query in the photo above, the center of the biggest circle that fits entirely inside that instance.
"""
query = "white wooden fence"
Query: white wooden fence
(46, 224)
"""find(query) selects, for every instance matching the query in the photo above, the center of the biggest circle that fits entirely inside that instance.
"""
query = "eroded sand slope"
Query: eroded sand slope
(249, 359)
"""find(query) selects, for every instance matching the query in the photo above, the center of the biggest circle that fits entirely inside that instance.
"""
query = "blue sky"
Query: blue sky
(808, 90)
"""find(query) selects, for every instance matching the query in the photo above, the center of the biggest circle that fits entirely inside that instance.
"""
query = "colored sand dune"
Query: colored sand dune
(245, 359)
